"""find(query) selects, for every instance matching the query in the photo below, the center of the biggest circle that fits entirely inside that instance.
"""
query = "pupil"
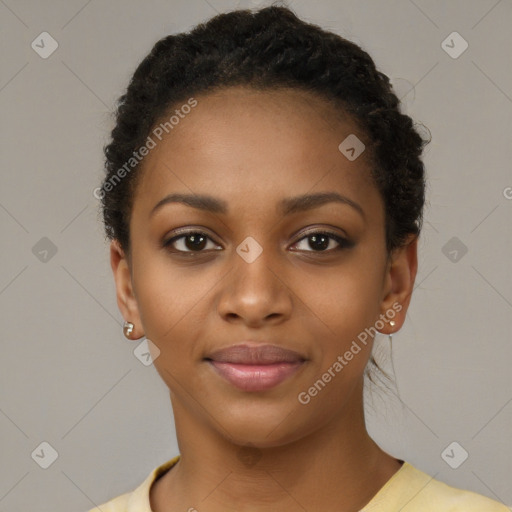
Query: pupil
(322, 245)
(320, 242)
(197, 241)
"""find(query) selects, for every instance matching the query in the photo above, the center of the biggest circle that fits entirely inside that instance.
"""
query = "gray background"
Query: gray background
(69, 378)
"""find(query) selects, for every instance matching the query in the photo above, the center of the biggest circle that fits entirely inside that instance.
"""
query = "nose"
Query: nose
(256, 293)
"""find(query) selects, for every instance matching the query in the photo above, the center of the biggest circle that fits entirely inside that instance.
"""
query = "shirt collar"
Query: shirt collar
(139, 498)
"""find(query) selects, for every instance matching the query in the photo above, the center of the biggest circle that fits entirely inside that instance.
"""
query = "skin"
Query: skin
(263, 451)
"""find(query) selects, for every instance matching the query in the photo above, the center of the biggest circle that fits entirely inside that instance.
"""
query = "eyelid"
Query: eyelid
(188, 231)
(323, 230)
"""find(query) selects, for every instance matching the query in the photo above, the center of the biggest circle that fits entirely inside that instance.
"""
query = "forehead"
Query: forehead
(259, 144)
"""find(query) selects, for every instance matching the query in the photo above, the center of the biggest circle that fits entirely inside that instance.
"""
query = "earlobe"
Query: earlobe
(399, 284)
(126, 300)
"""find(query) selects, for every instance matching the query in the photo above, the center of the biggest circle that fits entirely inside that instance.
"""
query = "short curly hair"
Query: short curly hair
(269, 48)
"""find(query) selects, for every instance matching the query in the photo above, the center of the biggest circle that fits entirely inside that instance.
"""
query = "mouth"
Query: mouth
(255, 367)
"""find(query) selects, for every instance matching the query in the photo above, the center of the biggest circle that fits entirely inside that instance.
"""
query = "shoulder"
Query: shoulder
(415, 491)
(445, 497)
(137, 500)
(119, 504)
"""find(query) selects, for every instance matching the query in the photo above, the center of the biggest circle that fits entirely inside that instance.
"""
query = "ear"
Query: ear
(399, 283)
(126, 300)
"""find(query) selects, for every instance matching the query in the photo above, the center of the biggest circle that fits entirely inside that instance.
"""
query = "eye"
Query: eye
(197, 242)
(320, 241)
(189, 241)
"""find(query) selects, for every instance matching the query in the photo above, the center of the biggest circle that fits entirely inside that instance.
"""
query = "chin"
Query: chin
(264, 427)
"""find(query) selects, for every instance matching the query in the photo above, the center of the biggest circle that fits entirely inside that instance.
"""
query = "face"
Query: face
(258, 263)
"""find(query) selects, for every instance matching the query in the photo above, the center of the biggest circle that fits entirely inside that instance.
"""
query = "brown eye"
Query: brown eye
(191, 241)
(322, 241)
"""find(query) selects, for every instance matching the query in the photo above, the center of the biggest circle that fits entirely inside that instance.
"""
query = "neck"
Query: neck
(336, 467)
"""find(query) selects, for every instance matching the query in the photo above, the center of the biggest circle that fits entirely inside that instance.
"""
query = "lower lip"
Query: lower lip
(252, 377)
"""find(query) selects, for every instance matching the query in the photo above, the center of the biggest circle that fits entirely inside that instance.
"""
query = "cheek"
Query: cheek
(171, 302)
(345, 305)
(167, 293)
(345, 300)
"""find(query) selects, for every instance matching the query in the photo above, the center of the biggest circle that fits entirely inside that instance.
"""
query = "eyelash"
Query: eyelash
(343, 242)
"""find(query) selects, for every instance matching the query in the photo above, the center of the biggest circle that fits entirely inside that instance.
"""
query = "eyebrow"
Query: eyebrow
(286, 206)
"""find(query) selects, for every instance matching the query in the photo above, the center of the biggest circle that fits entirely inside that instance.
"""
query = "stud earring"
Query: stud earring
(392, 324)
(128, 329)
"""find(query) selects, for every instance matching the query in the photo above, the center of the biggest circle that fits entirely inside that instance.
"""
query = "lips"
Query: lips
(255, 354)
(255, 367)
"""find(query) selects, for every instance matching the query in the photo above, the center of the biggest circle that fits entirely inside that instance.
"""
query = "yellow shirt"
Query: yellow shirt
(408, 490)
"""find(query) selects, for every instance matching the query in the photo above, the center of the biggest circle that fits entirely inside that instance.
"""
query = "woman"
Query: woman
(264, 199)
